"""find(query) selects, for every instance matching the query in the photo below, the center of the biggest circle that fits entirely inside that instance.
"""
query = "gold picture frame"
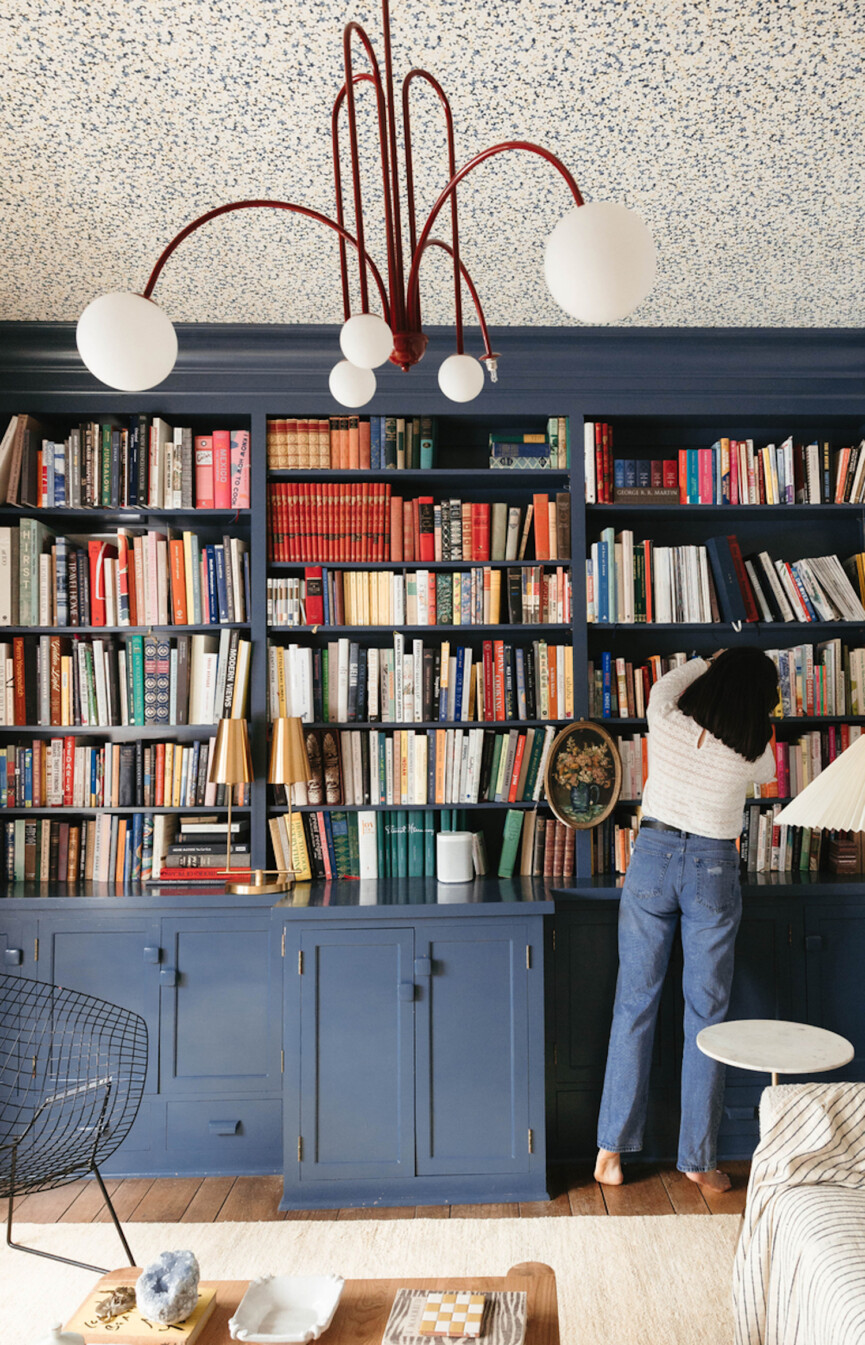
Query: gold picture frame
(583, 777)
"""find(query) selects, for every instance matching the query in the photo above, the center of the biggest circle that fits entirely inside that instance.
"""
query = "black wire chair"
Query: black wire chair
(72, 1070)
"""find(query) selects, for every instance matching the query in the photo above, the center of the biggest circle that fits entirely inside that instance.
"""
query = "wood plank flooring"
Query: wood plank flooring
(649, 1189)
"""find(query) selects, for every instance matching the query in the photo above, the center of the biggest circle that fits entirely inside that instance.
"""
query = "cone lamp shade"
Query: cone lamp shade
(289, 763)
(836, 799)
(232, 765)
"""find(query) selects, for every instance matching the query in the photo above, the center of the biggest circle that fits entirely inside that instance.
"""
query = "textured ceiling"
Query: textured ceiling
(735, 129)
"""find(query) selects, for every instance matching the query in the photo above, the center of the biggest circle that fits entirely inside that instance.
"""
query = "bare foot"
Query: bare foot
(608, 1168)
(714, 1180)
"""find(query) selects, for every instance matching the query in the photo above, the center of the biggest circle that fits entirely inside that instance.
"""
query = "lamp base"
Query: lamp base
(260, 885)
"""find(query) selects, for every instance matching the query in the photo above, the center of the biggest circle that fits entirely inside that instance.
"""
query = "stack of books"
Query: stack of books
(527, 450)
(196, 850)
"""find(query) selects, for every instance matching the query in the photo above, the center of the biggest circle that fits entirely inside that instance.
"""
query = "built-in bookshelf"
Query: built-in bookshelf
(125, 634)
(758, 526)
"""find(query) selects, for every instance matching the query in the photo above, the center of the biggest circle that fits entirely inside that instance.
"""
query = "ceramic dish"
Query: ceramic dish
(281, 1308)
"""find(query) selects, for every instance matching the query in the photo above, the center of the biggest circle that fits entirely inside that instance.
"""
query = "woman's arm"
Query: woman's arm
(765, 767)
(667, 690)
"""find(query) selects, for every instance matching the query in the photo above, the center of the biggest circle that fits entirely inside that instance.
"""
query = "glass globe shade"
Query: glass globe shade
(349, 385)
(366, 340)
(600, 262)
(126, 341)
(461, 377)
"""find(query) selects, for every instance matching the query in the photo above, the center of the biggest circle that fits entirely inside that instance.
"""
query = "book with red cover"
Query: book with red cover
(364, 434)
(98, 552)
(314, 595)
(426, 528)
(177, 574)
(489, 696)
(670, 473)
(499, 679)
(656, 473)
(240, 469)
(541, 526)
(515, 773)
(607, 439)
(222, 469)
(752, 614)
(353, 443)
(683, 476)
(203, 471)
(600, 484)
(407, 531)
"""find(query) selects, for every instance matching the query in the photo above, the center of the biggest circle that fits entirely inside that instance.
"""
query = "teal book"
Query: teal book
(380, 849)
(534, 764)
(429, 836)
(428, 428)
(353, 847)
(444, 598)
(341, 846)
(499, 739)
(510, 842)
(401, 837)
(415, 844)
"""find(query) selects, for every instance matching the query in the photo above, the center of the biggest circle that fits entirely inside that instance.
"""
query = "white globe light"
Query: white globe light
(600, 262)
(461, 377)
(366, 340)
(349, 385)
(126, 341)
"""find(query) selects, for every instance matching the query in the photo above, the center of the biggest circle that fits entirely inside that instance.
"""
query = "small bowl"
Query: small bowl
(280, 1308)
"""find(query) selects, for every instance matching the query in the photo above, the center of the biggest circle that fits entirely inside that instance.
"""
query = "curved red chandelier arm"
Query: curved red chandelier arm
(351, 30)
(454, 249)
(345, 237)
(489, 353)
(412, 301)
(337, 182)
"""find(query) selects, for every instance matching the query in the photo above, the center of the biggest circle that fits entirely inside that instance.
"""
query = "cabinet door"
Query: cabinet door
(835, 957)
(220, 1014)
(472, 1075)
(352, 1006)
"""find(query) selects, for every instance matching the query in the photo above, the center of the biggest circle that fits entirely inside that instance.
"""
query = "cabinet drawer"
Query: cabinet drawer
(224, 1135)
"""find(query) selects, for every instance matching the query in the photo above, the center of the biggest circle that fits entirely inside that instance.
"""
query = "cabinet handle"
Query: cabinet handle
(423, 966)
(168, 976)
(223, 1127)
(741, 1113)
(152, 954)
(13, 957)
(406, 990)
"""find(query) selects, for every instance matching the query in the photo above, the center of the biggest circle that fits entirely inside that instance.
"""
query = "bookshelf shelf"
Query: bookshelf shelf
(787, 722)
(438, 474)
(494, 724)
(123, 516)
(738, 511)
(403, 807)
(117, 732)
(209, 629)
(398, 566)
(416, 630)
(185, 810)
(780, 629)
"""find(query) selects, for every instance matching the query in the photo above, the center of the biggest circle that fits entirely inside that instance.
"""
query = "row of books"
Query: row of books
(798, 763)
(629, 581)
(137, 680)
(333, 844)
(347, 682)
(105, 849)
(362, 521)
(198, 846)
(822, 679)
(528, 450)
(351, 443)
(324, 597)
(127, 579)
(71, 772)
(734, 471)
(598, 461)
(408, 767)
(136, 462)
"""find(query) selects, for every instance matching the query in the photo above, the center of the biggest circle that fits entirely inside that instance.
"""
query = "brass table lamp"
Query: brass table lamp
(289, 765)
(231, 765)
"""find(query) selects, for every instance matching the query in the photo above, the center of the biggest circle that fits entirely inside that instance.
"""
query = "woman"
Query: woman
(710, 737)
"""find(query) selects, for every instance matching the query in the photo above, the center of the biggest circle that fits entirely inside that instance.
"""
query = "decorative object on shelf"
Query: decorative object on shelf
(454, 863)
(293, 1308)
(167, 1290)
(583, 775)
(133, 1326)
(599, 263)
(231, 765)
(834, 801)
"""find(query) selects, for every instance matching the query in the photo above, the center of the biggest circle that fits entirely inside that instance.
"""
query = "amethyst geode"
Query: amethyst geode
(167, 1289)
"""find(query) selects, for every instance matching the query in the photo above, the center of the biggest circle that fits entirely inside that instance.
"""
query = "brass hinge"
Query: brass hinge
(35, 950)
(300, 1148)
(531, 1142)
(282, 1062)
(283, 943)
(300, 962)
(528, 957)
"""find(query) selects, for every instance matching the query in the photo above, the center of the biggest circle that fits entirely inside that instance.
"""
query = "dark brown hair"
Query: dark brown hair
(734, 698)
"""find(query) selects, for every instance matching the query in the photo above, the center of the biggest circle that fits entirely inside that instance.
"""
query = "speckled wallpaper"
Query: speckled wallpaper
(735, 127)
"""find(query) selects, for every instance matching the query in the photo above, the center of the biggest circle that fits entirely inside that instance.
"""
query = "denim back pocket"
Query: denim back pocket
(716, 881)
(647, 870)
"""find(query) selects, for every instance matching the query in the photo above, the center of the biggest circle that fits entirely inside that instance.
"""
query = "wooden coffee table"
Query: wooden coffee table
(365, 1304)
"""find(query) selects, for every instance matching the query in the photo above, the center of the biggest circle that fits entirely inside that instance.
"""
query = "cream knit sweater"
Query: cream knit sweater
(699, 789)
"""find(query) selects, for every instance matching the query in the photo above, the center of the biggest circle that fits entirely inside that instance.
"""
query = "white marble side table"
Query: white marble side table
(775, 1046)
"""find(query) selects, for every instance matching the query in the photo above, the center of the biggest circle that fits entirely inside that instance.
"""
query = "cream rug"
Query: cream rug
(626, 1281)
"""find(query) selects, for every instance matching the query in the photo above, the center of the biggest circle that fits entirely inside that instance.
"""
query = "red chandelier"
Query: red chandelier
(599, 264)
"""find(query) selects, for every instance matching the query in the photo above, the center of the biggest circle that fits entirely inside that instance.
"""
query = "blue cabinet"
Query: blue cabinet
(414, 1062)
(18, 947)
(835, 958)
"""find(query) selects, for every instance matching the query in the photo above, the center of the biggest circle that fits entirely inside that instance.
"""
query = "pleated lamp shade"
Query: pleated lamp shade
(289, 763)
(232, 759)
(836, 799)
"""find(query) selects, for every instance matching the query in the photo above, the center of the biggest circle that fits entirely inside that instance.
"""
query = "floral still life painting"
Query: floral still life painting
(583, 775)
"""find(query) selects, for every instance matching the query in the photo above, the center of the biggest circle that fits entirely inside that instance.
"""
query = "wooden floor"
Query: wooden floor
(648, 1190)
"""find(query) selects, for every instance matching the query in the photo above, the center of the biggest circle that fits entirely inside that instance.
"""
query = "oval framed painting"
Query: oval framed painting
(583, 775)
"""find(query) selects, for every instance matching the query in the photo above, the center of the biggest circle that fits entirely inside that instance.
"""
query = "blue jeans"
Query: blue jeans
(671, 878)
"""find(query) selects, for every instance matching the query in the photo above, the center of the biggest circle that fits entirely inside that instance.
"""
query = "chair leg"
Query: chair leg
(67, 1260)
